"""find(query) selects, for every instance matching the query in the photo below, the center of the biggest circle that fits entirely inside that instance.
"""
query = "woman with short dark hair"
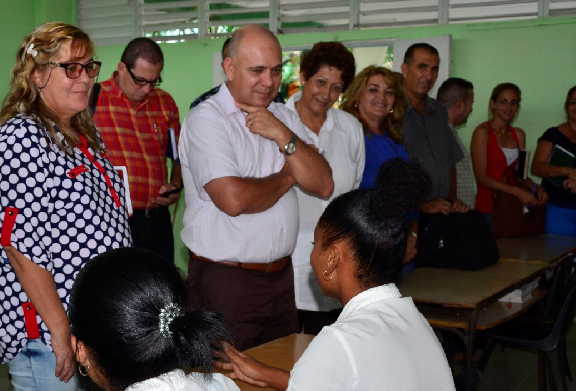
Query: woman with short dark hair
(380, 341)
(325, 72)
(130, 330)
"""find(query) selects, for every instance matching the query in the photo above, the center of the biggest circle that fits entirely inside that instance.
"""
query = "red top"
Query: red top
(495, 167)
(137, 136)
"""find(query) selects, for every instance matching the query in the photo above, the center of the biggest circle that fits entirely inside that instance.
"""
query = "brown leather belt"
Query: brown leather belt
(271, 267)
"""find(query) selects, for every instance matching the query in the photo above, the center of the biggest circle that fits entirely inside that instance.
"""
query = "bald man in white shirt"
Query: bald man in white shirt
(241, 157)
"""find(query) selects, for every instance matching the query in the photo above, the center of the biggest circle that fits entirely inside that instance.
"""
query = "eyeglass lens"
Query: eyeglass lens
(74, 69)
(142, 82)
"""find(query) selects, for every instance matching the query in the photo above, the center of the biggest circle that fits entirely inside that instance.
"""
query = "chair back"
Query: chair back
(563, 280)
(565, 318)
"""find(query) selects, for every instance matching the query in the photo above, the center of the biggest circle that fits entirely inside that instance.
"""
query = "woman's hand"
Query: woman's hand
(40, 288)
(411, 247)
(570, 184)
(65, 360)
(251, 371)
(243, 367)
(525, 197)
(167, 195)
(541, 195)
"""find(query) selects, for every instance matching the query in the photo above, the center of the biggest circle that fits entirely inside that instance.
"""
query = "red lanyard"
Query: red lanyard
(84, 148)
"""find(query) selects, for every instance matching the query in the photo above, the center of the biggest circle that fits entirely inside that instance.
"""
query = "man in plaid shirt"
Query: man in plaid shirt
(139, 124)
(458, 97)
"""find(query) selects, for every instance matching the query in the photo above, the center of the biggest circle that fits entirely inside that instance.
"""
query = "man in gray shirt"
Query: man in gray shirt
(427, 134)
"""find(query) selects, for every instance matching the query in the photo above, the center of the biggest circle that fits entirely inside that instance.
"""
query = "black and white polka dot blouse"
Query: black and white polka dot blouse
(68, 207)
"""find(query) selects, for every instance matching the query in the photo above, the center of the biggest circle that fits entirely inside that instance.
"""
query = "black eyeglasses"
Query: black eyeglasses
(140, 81)
(74, 69)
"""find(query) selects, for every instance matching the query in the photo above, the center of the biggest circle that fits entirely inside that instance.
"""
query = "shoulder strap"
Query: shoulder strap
(94, 98)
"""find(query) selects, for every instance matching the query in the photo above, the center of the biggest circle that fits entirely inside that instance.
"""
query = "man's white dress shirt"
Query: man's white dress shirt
(216, 143)
(341, 142)
(380, 342)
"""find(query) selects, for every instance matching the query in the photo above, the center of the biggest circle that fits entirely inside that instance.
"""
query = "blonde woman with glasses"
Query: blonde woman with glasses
(61, 202)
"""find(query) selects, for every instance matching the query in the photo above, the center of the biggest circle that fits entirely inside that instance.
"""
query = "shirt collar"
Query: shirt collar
(116, 90)
(327, 126)
(369, 296)
(430, 107)
(168, 381)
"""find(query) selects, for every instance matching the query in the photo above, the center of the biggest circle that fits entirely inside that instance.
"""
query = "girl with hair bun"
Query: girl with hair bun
(380, 341)
(130, 330)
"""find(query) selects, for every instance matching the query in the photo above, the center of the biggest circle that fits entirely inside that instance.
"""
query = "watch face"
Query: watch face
(290, 148)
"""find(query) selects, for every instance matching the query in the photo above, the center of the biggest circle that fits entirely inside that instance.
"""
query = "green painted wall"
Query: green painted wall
(16, 20)
(55, 11)
(19, 18)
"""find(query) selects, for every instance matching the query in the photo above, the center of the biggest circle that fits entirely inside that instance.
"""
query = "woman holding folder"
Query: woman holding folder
(496, 147)
(555, 162)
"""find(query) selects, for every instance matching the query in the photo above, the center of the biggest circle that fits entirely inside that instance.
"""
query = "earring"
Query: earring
(83, 370)
(327, 275)
(391, 110)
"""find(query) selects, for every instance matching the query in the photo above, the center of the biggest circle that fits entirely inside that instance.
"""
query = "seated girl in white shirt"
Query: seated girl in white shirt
(130, 331)
(380, 341)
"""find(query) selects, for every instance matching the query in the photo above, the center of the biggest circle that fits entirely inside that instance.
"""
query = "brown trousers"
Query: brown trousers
(257, 306)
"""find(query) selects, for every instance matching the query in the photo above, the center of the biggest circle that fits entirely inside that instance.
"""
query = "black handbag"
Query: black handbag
(458, 241)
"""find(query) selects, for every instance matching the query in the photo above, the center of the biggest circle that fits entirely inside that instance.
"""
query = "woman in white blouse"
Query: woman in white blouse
(380, 341)
(130, 330)
(326, 71)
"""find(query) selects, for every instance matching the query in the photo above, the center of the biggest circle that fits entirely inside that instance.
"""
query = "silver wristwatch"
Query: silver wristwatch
(290, 146)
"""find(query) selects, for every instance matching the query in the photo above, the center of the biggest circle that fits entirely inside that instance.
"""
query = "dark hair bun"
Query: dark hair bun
(115, 310)
(374, 221)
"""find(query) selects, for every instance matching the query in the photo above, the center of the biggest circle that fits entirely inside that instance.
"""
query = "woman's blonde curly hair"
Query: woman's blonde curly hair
(391, 124)
(35, 53)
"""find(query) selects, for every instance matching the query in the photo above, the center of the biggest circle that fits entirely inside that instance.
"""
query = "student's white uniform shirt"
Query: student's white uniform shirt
(341, 142)
(215, 143)
(380, 342)
(177, 380)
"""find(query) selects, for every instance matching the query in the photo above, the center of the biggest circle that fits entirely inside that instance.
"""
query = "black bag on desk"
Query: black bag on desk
(457, 241)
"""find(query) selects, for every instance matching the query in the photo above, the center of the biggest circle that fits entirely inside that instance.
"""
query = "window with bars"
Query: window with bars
(116, 21)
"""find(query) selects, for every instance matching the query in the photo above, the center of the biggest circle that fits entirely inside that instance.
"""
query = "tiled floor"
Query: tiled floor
(508, 370)
(514, 370)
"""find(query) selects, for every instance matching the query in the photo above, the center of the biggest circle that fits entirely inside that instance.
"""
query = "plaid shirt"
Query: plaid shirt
(137, 136)
(465, 179)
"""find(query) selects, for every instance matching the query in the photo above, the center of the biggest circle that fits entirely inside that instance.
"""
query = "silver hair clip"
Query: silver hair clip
(167, 315)
(31, 51)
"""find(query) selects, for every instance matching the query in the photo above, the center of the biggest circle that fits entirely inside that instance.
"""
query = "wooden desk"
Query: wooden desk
(545, 248)
(468, 300)
(280, 353)
(453, 298)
